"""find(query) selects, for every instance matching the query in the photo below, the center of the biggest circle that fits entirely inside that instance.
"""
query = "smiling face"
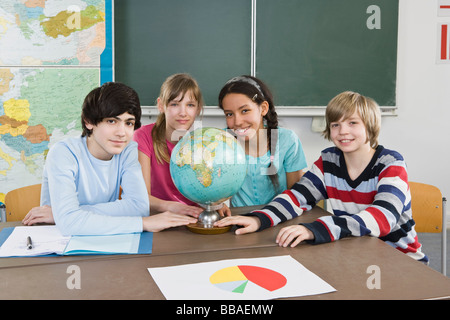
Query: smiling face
(243, 115)
(350, 134)
(348, 106)
(110, 136)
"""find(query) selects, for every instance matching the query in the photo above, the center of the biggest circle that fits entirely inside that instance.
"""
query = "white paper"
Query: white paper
(194, 281)
(45, 239)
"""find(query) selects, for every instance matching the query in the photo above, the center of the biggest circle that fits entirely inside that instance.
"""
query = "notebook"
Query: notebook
(47, 240)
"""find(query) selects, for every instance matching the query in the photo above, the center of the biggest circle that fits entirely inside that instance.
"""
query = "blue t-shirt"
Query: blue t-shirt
(257, 187)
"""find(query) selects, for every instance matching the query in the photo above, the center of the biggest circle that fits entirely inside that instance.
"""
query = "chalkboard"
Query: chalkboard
(209, 39)
(307, 51)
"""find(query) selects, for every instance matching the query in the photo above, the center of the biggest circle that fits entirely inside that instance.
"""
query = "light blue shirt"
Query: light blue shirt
(83, 191)
(257, 187)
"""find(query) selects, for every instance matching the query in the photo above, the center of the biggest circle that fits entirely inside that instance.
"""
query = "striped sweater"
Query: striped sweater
(377, 203)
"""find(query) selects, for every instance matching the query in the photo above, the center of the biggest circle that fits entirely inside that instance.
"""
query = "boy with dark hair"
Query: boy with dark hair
(83, 176)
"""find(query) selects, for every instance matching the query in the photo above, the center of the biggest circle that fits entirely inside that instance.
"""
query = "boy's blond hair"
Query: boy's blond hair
(345, 104)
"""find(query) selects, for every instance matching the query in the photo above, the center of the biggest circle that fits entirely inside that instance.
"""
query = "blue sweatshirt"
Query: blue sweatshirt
(83, 191)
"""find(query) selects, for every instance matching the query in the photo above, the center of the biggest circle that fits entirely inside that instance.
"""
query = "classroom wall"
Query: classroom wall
(420, 131)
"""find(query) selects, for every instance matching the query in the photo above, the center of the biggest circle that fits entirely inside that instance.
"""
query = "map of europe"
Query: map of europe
(50, 58)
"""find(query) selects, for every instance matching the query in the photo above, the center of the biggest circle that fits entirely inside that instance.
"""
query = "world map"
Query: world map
(50, 58)
(208, 165)
(204, 149)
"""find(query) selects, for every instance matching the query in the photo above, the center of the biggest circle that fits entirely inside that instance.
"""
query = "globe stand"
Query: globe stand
(206, 219)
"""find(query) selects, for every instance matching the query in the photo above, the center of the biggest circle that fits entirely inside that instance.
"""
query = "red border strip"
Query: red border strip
(443, 42)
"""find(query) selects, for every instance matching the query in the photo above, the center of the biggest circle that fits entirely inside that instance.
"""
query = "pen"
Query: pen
(29, 243)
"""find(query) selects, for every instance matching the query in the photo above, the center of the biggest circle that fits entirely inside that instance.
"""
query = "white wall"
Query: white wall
(420, 131)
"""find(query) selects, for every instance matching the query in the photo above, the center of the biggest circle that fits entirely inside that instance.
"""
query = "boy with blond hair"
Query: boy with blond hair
(366, 186)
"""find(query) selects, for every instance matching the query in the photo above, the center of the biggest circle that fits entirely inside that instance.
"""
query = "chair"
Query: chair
(322, 204)
(20, 201)
(429, 213)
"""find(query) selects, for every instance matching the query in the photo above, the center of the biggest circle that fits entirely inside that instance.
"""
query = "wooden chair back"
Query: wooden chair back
(426, 204)
(20, 201)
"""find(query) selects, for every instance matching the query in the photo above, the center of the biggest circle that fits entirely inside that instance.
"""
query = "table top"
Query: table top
(181, 240)
(343, 264)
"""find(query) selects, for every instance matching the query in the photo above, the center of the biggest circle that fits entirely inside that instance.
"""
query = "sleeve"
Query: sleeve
(70, 217)
(291, 203)
(378, 219)
(294, 158)
(143, 138)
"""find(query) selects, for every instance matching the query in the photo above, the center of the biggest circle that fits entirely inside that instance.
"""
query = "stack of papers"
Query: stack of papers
(47, 240)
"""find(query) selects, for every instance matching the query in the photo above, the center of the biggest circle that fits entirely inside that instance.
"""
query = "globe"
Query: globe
(208, 167)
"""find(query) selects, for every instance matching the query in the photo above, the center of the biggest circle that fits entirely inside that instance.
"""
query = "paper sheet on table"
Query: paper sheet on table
(46, 240)
(237, 279)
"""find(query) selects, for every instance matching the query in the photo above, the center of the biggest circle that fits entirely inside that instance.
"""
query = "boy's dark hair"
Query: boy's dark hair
(110, 100)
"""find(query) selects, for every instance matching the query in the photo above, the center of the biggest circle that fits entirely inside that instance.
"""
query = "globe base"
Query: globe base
(209, 216)
(199, 228)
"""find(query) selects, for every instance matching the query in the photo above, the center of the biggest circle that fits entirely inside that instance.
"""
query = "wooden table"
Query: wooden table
(343, 264)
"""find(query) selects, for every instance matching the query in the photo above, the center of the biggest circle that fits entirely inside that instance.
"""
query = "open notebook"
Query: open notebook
(47, 240)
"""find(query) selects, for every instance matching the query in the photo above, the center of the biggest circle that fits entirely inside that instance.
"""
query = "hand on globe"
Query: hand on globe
(249, 224)
(224, 211)
(181, 208)
(164, 220)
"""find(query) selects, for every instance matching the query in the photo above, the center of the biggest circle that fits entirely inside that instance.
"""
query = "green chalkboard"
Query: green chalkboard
(310, 50)
(210, 39)
(307, 51)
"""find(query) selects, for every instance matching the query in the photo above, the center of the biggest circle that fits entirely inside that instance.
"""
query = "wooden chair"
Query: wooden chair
(322, 204)
(429, 213)
(19, 201)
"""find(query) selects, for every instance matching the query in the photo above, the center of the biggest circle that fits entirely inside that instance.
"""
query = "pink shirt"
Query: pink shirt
(162, 186)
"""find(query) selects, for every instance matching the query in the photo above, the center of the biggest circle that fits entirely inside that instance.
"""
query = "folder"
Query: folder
(48, 241)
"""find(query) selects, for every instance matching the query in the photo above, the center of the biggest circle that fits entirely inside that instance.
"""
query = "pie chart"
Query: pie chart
(236, 278)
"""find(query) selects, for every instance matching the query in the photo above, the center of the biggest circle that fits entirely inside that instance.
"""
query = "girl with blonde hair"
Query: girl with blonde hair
(179, 103)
